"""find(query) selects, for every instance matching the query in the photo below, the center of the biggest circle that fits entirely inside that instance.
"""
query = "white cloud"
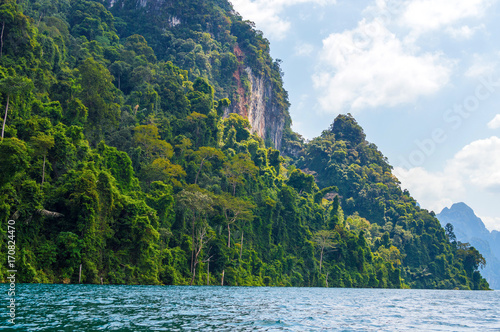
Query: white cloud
(491, 223)
(430, 15)
(476, 167)
(369, 67)
(266, 13)
(482, 65)
(464, 32)
(479, 163)
(304, 49)
(495, 123)
(432, 190)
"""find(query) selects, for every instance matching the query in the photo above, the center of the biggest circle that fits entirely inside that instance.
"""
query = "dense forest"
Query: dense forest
(122, 162)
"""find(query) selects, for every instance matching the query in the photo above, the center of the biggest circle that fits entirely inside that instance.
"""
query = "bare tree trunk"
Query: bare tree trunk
(228, 236)
(192, 244)
(222, 282)
(241, 246)
(5, 117)
(321, 260)
(43, 169)
(80, 275)
(194, 274)
(208, 272)
(201, 165)
(1, 41)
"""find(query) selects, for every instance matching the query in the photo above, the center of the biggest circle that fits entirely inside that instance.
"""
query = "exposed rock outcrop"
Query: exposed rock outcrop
(254, 97)
(255, 102)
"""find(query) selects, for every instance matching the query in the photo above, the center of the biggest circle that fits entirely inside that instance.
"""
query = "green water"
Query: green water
(172, 308)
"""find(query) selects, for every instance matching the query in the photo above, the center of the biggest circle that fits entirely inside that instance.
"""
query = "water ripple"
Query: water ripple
(157, 308)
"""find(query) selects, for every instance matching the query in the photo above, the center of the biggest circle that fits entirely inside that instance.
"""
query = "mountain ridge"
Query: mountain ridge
(470, 228)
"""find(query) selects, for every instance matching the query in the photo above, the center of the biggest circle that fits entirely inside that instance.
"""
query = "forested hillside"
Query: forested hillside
(141, 145)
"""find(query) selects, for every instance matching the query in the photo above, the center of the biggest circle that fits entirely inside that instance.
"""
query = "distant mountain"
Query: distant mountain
(469, 228)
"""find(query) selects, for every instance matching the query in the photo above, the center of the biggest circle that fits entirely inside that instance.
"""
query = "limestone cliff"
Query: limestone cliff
(203, 38)
(266, 118)
(255, 101)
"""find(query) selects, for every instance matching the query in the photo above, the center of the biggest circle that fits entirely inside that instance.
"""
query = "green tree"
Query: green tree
(163, 170)
(450, 233)
(204, 154)
(236, 168)
(203, 234)
(99, 96)
(471, 257)
(148, 138)
(323, 239)
(302, 182)
(14, 157)
(194, 203)
(119, 69)
(42, 143)
(234, 209)
(240, 124)
(11, 86)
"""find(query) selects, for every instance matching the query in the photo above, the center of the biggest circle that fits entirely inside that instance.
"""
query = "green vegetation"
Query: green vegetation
(116, 161)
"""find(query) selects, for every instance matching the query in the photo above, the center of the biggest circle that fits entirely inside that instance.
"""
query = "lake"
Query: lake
(176, 308)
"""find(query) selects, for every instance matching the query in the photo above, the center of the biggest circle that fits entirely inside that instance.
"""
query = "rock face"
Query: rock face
(266, 118)
(254, 96)
(469, 228)
(466, 223)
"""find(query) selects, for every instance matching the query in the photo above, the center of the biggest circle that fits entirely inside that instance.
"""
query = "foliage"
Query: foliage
(117, 161)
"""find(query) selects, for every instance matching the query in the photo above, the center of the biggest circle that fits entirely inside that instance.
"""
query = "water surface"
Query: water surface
(174, 308)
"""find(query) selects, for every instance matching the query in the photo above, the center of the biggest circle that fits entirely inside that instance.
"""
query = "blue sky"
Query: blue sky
(422, 77)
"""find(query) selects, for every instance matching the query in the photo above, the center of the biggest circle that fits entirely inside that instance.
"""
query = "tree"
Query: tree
(234, 209)
(183, 146)
(162, 169)
(118, 69)
(449, 232)
(302, 182)
(14, 157)
(323, 240)
(236, 169)
(240, 124)
(196, 122)
(11, 86)
(6, 14)
(193, 202)
(202, 236)
(99, 96)
(204, 154)
(43, 143)
(148, 138)
(346, 128)
(471, 257)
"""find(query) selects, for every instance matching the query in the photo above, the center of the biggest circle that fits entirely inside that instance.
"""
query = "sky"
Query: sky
(422, 77)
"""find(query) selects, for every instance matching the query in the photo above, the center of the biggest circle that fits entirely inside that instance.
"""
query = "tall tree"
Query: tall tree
(99, 96)
(202, 236)
(194, 203)
(11, 86)
(323, 240)
(204, 154)
(43, 143)
(148, 138)
(236, 169)
(234, 209)
(14, 157)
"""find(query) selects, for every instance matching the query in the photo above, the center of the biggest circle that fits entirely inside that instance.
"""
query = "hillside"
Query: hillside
(142, 146)
(468, 228)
